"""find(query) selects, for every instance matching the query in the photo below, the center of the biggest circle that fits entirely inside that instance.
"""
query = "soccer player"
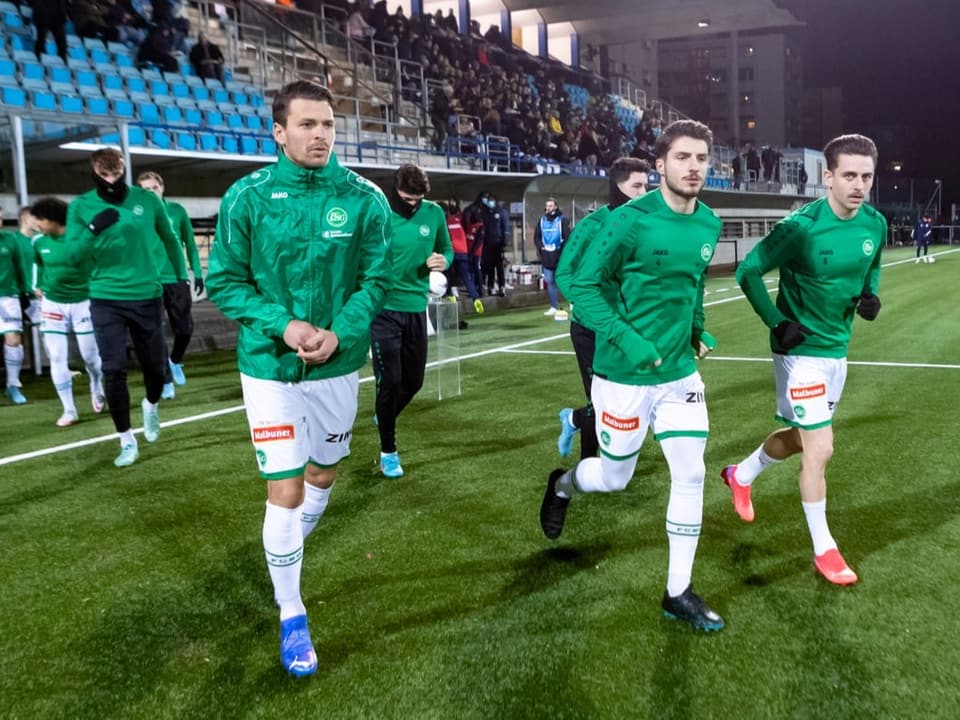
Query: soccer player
(26, 232)
(628, 179)
(123, 230)
(14, 301)
(550, 234)
(640, 289)
(421, 244)
(922, 233)
(177, 299)
(301, 259)
(828, 257)
(64, 286)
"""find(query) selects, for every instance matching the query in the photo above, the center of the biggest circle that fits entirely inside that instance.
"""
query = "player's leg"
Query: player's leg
(178, 301)
(110, 329)
(276, 415)
(584, 418)
(386, 333)
(331, 413)
(680, 424)
(413, 352)
(622, 412)
(11, 327)
(53, 328)
(775, 448)
(146, 330)
(87, 343)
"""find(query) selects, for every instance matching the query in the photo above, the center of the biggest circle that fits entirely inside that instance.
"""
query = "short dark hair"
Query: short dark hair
(298, 89)
(50, 208)
(411, 179)
(849, 145)
(25, 210)
(624, 167)
(678, 129)
(108, 160)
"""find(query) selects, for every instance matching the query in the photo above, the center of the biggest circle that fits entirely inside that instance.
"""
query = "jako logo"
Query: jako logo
(619, 423)
(279, 196)
(274, 432)
(337, 217)
(805, 393)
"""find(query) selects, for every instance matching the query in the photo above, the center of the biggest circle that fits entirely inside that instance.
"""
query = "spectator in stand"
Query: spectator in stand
(89, 20)
(752, 161)
(737, 166)
(206, 59)
(50, 16)
(462, 266)
(156, 49)
(131, 26)
(450, 22)
(589, 152)
(490, 124)
(357, 26)
(440, 115)
(802, 179)
(550, 234)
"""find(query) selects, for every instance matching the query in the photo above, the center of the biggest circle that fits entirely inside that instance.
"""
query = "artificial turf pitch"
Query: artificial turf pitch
(143, 593)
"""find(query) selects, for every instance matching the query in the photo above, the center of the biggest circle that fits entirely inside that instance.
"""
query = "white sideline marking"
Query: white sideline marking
(867, 363)
(492, 351)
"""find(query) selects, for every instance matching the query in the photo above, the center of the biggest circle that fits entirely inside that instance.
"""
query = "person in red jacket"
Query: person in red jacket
(462, 264)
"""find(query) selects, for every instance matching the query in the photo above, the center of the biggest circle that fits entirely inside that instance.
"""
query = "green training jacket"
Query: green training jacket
(299, 244)
(414, 240)
(184, 229)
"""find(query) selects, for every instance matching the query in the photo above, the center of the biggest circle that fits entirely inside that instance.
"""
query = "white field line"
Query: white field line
(492, 351)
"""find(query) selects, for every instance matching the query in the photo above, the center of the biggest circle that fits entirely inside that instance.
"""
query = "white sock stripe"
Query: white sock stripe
(284, 560)
(683, 529)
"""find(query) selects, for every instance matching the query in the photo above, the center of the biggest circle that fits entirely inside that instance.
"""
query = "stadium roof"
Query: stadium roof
(624, 21)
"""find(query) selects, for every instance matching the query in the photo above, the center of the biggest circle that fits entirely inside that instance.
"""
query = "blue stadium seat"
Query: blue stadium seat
(235, 122)
(164, 100)
(136, 136)
(31, 70)
(61, 88)
(221, 96)
(180, 90)
(240, 98)
(158, 87)
(113, 93)
(93, 43)
(140, 97)
(200, 93)
(118, 47)
(249, 145)
(122, 107)
(193, 117)
(253, 122)
(42, 100)
(122, 60)
(214, 119)
(159, 138)
(110, 82)
(267, 123)
(194, 81)
(12, 97)
(60, 74)
(186, 141)
(150, 73)
(80, 63)
(48, 59)
(97, 105)
(268, 146)
(128, 71)
(136, 83)
(172, 115)
(70, 103)
(230, 144)
(148, 113)
(11, 20)
(206, 104)
(213, 83)
(208, 142)
(20, 41)
(99, 56)
(8, 69)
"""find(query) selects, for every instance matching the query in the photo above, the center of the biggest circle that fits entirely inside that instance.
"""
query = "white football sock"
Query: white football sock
(685, 509)
(127, 438)
(59, 370)
(283, 547)
(314, 504)
(756, 463)
(13, 359)
(816, 513)
(91, 359)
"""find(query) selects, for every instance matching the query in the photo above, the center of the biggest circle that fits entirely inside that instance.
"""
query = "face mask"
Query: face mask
(113, 193)
(401, 207)
(617, 198)
(490, 203)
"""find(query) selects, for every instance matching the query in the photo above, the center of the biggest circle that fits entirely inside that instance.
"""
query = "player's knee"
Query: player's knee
(818, 452)
(690, 475)
(286, 493)
(11, 340)
(617, 476)
(320, 477)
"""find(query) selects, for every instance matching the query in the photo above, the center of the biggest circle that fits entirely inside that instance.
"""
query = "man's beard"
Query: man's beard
(682, 191)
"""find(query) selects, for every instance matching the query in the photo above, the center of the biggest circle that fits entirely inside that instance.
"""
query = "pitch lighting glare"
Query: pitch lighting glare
(703, 23)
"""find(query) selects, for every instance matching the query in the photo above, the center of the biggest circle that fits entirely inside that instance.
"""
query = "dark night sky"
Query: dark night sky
(898, 63)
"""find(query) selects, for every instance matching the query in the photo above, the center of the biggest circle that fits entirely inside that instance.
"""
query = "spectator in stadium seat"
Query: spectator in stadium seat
(50, 16)
(357, 26)
(440, 114)
(828, 258)
(206, 59)
(156, 49)
(305, 299)
(89, 19)
(131, 26)
(549, 235)
(751, 161)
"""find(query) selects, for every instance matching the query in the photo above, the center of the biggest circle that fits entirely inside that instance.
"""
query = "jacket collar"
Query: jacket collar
(290, 172)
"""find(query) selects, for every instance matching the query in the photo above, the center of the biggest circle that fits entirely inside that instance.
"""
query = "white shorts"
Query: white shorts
(625, 412)
(808, 389)
(62, 318)
(11, 319)
(292, 424)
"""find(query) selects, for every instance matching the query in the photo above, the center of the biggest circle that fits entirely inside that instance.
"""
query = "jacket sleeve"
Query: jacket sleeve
(773, 251)
(230, 283)
(352, 323)
(589, 279)
(171, 243)
(78, 236)
(538, 237)
(190, 243)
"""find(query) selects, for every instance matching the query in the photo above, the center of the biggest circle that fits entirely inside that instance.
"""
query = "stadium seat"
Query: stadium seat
(150, 73)
(221, 96)
(136, 83)
(268, 146)
(249, 145)
(193, 81)
(164, 100)
(213, 83)
(230, 143)
(110, 82)
(78, 63)
(8, 70)
(136, 136)
(159, 138)
(140, 97)
(11, 20)
(42, 100)
(235, 122)
(99, 56)
(122, 107)
(193, 117)
(48, 59)
(12, 97)
(97, 105)
(148, 113)
(72, 104)
(31, 70)
(158, 87)
(93, 43)
(172, 115)
(256, 100)
(60, 74)
(200, 93)
(122, 60)
(114, 93)
(208, 142)
(240, 98)
(214, 119)
(206, 104)
(253, 122)
(20, 41)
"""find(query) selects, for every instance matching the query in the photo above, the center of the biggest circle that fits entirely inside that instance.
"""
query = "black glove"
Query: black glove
(25, 299)
(789, 334)
(869, 306)
(198, 285)
(102, 220)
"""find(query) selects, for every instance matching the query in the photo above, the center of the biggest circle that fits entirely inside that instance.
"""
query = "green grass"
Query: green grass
(143, 593)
